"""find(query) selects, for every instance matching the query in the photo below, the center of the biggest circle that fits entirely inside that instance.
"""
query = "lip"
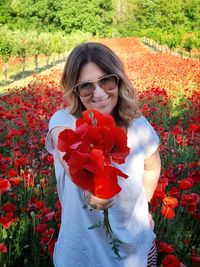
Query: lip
(101, 100)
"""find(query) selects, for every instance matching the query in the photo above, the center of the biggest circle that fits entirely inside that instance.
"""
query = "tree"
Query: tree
(6, 48)
(189, 43)
(22, 41)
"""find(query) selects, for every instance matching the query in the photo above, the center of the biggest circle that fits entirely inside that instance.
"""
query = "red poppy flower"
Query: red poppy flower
(167, 212)
(119, 150)
(3, 248)
(95, 118)
(7, 220)
(67, 138)
(15, 132)
(159, 192)
(9, 207)
(12, 173)
(175, 192)
(40, 228)
(40, 204)
(15, 181)
(164, 247)
(47, 235)
(186, 183)
(190, 201)
(51, 247)
(4, 186)
(92, 174)
(170, 202)
(171, 261)
(93, 144)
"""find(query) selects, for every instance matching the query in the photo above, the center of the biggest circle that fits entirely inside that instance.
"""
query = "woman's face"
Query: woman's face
(100, 100)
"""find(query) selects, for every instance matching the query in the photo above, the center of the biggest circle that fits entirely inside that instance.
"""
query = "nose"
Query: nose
(98, 92)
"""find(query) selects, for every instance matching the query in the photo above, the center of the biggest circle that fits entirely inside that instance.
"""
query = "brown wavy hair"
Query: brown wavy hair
(127, 107)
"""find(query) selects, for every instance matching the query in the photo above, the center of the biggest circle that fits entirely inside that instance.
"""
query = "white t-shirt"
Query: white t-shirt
(77, 246)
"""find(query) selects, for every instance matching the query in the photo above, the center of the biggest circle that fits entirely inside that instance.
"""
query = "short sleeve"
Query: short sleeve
(147, 136)
(61, 118)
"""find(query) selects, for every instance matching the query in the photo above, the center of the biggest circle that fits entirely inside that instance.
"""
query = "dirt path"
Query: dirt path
(25, 81)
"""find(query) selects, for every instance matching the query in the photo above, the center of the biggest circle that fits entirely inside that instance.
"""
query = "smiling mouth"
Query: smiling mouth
(101, 100)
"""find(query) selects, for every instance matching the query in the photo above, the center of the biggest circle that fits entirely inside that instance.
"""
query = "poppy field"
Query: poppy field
(168, 90)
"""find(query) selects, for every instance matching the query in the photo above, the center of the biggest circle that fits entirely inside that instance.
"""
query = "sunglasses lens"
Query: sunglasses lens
(85, 89)
(107, 83)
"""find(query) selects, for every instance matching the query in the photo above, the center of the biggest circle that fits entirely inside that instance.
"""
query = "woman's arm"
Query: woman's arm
(152, 167)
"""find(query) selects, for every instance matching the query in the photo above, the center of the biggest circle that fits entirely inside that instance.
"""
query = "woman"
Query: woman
(94, 78)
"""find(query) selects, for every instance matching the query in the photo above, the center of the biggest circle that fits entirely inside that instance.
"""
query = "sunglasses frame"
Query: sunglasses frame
(75, 87)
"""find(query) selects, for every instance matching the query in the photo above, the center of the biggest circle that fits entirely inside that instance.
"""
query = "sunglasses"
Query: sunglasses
(107, 83)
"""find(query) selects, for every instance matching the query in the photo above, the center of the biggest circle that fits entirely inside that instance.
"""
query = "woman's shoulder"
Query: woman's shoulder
(140, 122)
(142, 128)
(62, 117)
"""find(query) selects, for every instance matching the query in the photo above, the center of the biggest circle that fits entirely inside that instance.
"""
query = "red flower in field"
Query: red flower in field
(190, 201)
(48, 217)
(12, 173)
(20, 162)
(185, 183)
(170, 202)
(28, 178)
(165, 248)
(4, 186)
(9, 207)
(171, 261)
(3, 248)
(195, 175)
(57, 204)
(41, 228)
(15, 181)
(7, 220)
(167, 212)
(51, 247)
(175, 192)
(193, 128)
(159, 193)
(40, 204)
(50, 159)
(15, 132)
(194, 258)
(177, 130)
(179, 138)
(47, 235)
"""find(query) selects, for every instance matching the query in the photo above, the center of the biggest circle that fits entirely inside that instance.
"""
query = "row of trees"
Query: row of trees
(23, 44)
(185, 41)
(172, 23)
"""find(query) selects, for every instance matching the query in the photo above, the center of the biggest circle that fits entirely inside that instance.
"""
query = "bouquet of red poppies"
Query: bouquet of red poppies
(90, 150)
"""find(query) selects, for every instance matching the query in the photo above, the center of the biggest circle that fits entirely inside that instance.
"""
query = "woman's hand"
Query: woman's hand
(97, 203)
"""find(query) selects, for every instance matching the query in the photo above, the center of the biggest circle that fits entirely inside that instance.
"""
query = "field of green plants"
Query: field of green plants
(169, 93)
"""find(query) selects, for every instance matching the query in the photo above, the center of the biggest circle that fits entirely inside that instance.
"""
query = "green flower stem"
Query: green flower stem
(106, 224)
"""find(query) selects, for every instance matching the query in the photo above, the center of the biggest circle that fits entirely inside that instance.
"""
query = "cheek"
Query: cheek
(86, 102)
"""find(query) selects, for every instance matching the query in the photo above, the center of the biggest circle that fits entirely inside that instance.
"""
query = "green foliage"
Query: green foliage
(95, 16)
(160, 17)
(189, 43)
(6, 44)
